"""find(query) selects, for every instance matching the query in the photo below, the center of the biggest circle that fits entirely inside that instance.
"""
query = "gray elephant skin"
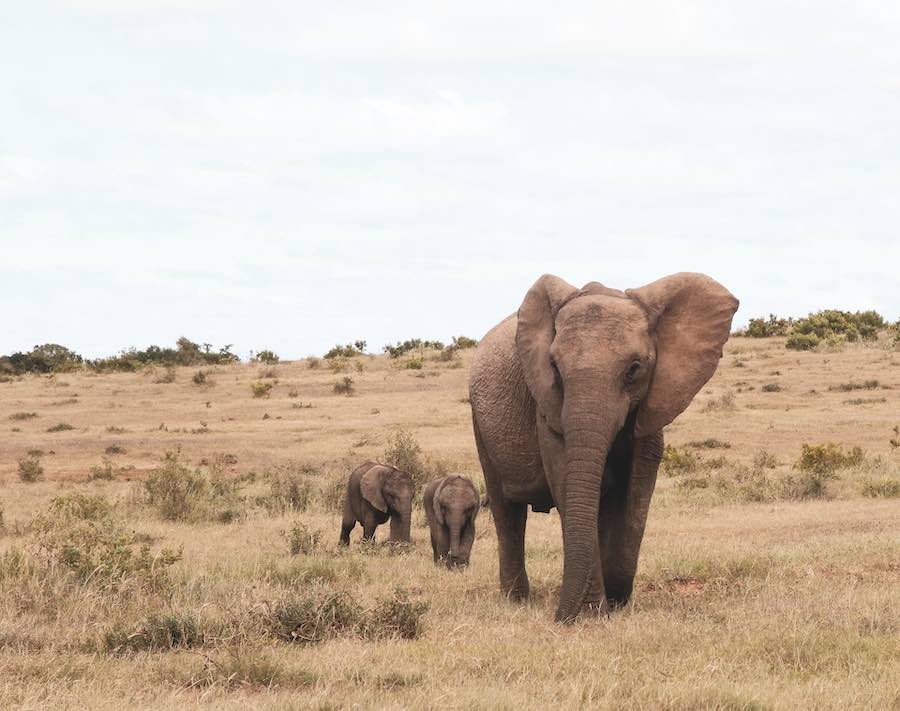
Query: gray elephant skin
(375, 493)
(569, 398)
(451, 506)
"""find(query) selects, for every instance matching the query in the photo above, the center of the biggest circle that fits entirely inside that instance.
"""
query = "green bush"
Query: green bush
(676, 462)
(827, 458)
(344, 387)
(268, 357)
(261, 389)
(348, 351)
(851, 386)
(802, 342)
(81, 535)
(20, 416)
(61, 427)
(178, 493)
(317, 613)
(885, 487)
(289, 490)
(412, 344)
(415, 363)
(186, 352)
(30, 469)
(463, 342)
(709, 443)
(157, 632)
(48, 358)
(303, 540)
(764, 328)
(200, 378)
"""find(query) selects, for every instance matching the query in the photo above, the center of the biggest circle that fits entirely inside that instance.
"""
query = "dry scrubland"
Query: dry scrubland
(761, 585)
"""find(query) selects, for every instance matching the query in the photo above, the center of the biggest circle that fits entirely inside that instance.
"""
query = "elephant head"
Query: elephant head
(595, 359)
(390, 491)
(456, 503)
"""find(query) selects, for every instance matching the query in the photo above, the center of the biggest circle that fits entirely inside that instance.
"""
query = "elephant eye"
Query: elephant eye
(633, 370)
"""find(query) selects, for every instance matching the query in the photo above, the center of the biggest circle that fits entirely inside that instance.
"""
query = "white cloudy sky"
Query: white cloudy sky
(294, 174)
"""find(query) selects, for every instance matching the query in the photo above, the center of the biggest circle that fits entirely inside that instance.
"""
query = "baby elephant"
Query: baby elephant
(375, 493)
(451, 505)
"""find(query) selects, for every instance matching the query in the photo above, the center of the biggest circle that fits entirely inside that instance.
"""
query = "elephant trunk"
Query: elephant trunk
(454, 543)
(588, 438)
(400, 524)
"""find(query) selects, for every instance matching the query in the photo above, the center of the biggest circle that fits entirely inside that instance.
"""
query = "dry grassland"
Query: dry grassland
(748, 595)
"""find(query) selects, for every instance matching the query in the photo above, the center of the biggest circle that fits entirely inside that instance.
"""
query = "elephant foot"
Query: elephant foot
(595, 609)
(618, 595)
(517, 593)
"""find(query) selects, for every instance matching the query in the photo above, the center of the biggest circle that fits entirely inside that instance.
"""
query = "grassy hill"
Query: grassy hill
(769, 577)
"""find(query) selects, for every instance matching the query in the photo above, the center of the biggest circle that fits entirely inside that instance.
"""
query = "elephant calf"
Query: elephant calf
(451, 505)
(375, 493)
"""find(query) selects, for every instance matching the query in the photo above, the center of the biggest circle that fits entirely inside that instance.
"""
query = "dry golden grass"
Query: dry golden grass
(738, 605)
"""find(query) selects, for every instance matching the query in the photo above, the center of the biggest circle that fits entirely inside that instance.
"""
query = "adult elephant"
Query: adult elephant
(569, 398)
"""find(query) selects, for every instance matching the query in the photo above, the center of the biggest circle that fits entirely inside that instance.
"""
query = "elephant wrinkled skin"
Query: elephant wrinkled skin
(569, 398)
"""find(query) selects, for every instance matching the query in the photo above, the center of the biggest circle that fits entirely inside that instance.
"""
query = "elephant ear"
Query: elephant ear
(370, 485)
(534, 334)
(436, 503)
(691, 317)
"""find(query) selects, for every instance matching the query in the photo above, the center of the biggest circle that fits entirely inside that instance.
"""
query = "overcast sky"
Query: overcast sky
(290, 175)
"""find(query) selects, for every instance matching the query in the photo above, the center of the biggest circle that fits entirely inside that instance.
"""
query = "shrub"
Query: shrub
(48, 358)
(186, 352)
(802, 342)
(809, 485)
(450, 353)
(710, 443)
(288, 491)
(413, 344)
(724, 403)
(313, 615)
(348, 351)
(885, 487)
(318, 613)
(79, 534)
(61, 427)
(30, 469)
(395, 616)
(261, 389)
(764, 460)
(115, 449)
(312, 362)
(344, 387)
(404, 453)
(167, 377)
(679, 461)
(178, 493)
(302, 540)
(159, 631)
(849, 387)
(463, 342)
(416, 363)
(20, 416)
(268, 357)
(827, 458)
(200, 378)
(764, 328)
(771, 388)
(831, 322)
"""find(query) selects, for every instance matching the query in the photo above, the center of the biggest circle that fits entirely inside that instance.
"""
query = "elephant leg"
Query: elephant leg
(396, 534)
(441, 542)
(369, 526)
(348, 523)
(346, 528)
(624, 518)
(466, 541)
(509, 521)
